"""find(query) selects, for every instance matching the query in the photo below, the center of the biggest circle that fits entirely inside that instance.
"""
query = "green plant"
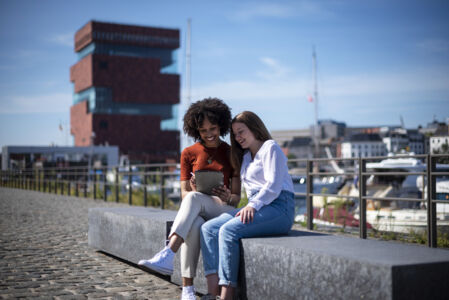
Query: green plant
(243, 200)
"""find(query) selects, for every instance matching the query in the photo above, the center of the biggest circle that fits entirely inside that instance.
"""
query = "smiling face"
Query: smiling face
(210, 133)
(243, 135)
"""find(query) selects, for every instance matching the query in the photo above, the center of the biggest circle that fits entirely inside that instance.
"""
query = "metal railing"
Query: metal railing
(94, 181)
(80, 180)
(429, 180)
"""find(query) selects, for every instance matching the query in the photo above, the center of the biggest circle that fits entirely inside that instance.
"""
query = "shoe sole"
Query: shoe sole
(160, 270)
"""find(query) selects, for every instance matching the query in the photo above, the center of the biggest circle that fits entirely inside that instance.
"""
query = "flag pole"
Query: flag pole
(315, 96)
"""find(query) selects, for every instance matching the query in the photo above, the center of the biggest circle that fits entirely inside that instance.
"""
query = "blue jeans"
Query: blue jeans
(220, 236)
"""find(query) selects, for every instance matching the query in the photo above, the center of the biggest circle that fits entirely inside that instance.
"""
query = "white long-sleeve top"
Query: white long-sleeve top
(266, 174)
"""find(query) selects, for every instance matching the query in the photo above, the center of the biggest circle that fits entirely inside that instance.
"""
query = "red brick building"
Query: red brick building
(126, 90)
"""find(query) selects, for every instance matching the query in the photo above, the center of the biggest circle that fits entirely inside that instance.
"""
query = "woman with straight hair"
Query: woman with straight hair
(205, 121)
(270, 209)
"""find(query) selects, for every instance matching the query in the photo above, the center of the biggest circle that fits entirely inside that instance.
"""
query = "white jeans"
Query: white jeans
(195, 209)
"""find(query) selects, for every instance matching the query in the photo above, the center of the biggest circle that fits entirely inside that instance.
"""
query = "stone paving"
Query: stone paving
(44, 253)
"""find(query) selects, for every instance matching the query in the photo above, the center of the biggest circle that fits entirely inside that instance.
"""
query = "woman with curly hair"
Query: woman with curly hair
(205, 121)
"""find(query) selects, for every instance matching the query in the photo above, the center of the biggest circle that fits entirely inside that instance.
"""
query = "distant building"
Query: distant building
(283, 136)
(126, 90)
(300, 147)
(439, 144)
(329, 129)
(27, 157)
(417, 141)
(363, 145)
(435, 128)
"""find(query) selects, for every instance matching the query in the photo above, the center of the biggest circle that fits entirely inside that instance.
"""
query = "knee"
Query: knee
(207, 229)
(190, 199)
(228, 232)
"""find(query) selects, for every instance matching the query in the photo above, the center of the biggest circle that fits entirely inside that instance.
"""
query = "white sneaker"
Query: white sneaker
(188, 293)
(162, 262)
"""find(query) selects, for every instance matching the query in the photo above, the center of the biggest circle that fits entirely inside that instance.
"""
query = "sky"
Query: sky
(377, 61)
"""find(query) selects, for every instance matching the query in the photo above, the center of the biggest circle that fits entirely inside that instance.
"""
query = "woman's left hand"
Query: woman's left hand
(246, 214)
(223, 193)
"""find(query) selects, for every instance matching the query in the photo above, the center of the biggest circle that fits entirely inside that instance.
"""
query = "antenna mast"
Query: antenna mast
(315, 96)
(187, 140)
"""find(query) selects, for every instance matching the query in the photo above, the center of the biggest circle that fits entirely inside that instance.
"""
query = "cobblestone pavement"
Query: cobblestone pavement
(44, 253)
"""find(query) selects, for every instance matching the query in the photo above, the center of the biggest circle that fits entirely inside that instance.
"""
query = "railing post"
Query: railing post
(162, 189)
(309, 190)
(55, 172)
(431, 206)
(116, 184)
(76, 183)
(86, 180)
(44, 182)
(38, 180)
(130, 187)
(69, 180)
(145, 199)
(105, 188)
(362, 200)
(62, 181)
(94, 182)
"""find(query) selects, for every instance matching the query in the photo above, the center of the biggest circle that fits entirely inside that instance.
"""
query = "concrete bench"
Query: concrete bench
(302, 265)
(134, 233)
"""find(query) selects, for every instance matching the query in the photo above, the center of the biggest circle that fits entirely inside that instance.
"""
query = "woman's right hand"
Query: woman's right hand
(193, 183)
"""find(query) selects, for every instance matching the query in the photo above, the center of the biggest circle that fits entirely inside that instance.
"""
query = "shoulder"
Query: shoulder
(269, 146)
(191, 150)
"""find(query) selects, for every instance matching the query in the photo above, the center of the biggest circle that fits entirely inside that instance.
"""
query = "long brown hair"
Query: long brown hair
(257, 128)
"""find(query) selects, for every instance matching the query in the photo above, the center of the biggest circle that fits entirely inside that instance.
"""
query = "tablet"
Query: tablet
(206, 180)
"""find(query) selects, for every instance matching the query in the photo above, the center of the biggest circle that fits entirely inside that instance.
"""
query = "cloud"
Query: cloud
(50, 103)
(65, 39)
(305, 9)
(434, 45)
(278, 87)
(275, 68)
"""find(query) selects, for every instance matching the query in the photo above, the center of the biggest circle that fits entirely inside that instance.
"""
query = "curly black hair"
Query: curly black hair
(214, 109)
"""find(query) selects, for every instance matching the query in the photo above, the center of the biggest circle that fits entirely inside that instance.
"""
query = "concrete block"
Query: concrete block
(308, 265)
(302, 265)
(130, 233)
(134, 233)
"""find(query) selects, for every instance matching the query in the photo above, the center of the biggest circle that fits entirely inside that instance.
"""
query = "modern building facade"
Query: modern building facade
(127, 90)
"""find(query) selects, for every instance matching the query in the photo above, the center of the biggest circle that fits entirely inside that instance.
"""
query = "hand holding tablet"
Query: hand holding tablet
(206, 180)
